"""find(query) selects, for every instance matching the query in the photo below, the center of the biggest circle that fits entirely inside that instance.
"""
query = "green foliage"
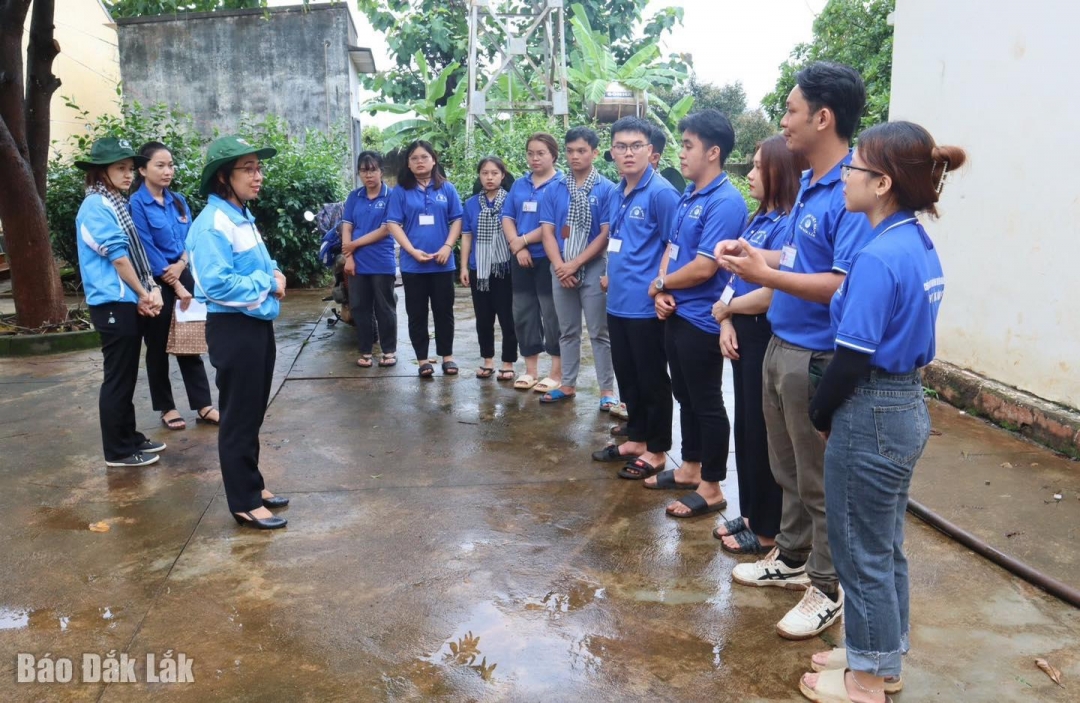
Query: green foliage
(305, 174)
(852, 32)
(729, 99)
(371, 137)
(147, 8)
(743, 185)
(750, 128)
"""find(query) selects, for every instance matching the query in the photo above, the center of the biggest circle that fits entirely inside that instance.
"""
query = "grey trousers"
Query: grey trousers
(797, 457)
(535, 320)
(570, 303)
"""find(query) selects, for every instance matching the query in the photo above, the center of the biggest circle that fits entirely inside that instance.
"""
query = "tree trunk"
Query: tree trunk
(35, 280)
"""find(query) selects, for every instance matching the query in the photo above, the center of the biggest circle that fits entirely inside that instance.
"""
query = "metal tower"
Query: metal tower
(525, 43)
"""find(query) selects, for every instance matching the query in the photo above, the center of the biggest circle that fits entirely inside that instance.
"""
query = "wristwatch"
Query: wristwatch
(659, 283)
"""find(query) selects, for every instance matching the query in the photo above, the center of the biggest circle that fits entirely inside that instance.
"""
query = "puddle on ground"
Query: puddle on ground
(47, 619)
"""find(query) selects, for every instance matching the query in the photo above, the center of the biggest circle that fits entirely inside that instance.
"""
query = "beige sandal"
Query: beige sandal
(830, 688)
(838, 660)
(524, 383)
(546, 386)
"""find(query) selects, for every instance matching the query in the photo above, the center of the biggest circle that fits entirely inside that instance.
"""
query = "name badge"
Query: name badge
(427, 219)
(529, 206)
(614, 245)
(727, 295)
(673, 252)
(787, 256)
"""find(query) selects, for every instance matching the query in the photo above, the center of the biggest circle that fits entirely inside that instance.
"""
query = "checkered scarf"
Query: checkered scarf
(580, 217)
(492, 249)
(137, 256)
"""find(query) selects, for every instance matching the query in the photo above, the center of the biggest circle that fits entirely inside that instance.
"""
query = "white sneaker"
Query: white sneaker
(814, 613)
(770, 571)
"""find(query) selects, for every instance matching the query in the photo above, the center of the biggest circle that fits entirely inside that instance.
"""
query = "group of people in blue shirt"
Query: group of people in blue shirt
(825, 300)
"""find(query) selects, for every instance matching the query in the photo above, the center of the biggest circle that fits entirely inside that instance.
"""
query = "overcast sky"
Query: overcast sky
(730, 40)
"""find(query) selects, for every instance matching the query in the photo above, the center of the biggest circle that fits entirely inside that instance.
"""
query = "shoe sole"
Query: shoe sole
(893, 687)
(786, 585)
(119, 464)
(155, 450)
(798, 637)
(813, 695)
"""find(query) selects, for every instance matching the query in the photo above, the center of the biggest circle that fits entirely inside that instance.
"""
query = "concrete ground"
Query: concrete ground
(451, 540)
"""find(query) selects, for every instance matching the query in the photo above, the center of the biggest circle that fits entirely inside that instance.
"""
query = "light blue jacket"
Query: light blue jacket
(233, 270)
(101, 241)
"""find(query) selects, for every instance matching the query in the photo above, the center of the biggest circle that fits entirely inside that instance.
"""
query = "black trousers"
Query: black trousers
(121, 329)
(436, 289)
(760, 497)
(242, 351)
(697, 378)
(373, 294)
(640, 361)
(157, 361)
(497, 301)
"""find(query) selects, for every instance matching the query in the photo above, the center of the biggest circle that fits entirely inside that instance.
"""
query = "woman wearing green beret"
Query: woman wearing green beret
(120, 293)
(241, 287)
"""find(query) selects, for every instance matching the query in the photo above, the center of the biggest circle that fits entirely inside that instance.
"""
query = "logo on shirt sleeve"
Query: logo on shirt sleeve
(637, 213)
(808, 225)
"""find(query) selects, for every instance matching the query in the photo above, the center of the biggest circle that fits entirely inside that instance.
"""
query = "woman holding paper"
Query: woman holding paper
(162, 219)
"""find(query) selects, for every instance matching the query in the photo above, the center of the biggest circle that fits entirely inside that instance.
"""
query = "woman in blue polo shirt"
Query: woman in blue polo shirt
(369, 262)
(162, 218)
(241, 286)
(744, 335)
(870, 406)
(424, 216)
(487, 273)
(535, 318)
(120, 294)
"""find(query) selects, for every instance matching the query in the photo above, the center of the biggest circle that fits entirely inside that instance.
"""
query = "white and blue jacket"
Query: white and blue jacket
(229, 261)
(101, 241)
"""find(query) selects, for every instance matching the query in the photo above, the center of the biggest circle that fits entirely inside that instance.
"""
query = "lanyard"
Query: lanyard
(684, 211)
(616, 226)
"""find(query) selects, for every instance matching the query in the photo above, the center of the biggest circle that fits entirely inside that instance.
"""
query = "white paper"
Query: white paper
(426, 220)
(196, 312)
(614, 245)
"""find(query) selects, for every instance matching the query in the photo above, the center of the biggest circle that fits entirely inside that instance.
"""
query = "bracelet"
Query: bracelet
(451, 246)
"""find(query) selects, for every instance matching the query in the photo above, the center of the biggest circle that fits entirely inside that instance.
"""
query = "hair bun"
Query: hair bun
(954, 156)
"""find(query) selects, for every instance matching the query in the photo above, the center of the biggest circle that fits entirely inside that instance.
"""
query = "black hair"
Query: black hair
(148, 150)
(632, 124)
(583, 133)
(222, 187)
(369, 159)
(713, 128)
(407, 179)
(837, 87)
(657, 138)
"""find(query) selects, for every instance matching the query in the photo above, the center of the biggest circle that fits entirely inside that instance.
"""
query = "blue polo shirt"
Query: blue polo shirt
(764, 232)
(367, 215)
(470, 221)
(826, 238)
(702, 219)
(888, 304)
(642, 222)
(405, 208)
(556, 209)
(523, 204)
(161, 226)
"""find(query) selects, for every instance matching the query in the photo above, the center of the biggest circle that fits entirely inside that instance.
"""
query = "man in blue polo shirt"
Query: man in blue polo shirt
(690, 282)
(823, 112)
(574, 224)
(641, 215)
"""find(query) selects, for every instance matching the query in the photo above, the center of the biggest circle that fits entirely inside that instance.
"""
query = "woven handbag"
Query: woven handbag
(186, 338)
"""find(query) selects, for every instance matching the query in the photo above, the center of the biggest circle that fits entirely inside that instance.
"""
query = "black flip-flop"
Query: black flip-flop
(748, 544)
(638, 469)
(506, 375)
(611, 454)
(733, 526)
(665, 480)
(485, 372)
(426, 370)
(698, 506)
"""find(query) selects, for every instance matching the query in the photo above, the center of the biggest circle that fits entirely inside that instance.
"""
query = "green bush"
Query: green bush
(305, 174)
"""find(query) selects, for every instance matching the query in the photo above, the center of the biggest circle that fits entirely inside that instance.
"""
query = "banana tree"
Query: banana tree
(438, 118)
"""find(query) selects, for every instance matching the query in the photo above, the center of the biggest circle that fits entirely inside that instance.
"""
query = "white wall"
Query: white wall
(999, 79)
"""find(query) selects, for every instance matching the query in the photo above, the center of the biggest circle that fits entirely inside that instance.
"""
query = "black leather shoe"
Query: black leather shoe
(275, 502)
(267, 523)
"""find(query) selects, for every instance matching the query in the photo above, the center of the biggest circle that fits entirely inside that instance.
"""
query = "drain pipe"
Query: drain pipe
(1036, 578)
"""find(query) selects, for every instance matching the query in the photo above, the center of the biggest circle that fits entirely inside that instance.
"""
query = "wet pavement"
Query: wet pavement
(451, 540)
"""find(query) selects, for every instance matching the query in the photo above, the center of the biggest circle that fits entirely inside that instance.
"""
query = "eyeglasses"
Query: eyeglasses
(620, 148)
(251, 171)
(846, 169)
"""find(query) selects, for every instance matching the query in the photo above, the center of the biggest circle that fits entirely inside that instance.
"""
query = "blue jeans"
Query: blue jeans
(877, 436)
